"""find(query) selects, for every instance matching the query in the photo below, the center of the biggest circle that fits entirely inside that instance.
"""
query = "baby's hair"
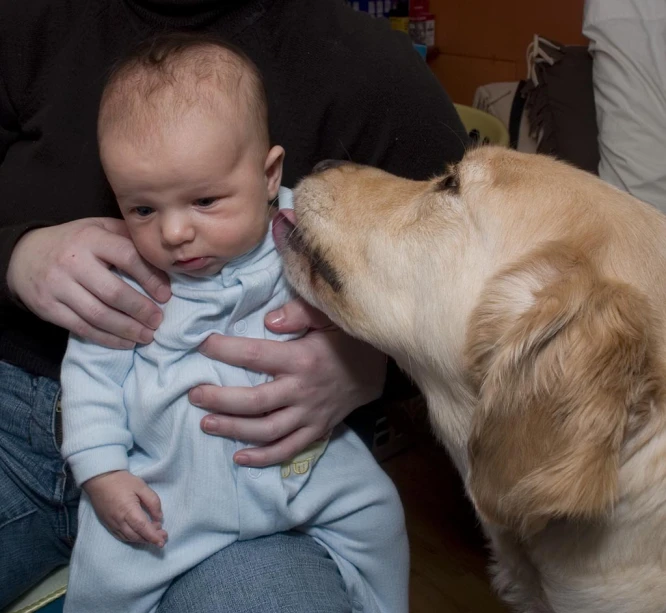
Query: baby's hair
(169, 74)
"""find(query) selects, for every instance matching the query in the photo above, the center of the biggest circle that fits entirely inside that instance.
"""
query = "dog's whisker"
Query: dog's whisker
(345, 150)
(464, 144)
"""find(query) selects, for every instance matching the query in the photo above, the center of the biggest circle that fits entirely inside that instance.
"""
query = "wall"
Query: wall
(484, 41)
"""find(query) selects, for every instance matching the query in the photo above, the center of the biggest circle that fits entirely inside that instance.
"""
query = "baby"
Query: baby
(183, 138)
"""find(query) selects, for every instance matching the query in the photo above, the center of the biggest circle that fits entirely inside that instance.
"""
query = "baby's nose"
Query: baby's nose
(177, 230)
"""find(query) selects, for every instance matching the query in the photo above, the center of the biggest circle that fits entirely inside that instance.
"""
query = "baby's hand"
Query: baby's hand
(129, 509)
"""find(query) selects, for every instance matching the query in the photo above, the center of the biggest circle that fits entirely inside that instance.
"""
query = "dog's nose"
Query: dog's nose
(327, 165)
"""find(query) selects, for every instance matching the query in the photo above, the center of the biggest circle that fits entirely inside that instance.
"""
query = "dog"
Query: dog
(527, 300)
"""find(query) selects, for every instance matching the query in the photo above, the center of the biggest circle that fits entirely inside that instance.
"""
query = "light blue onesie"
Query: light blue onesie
(128, 410)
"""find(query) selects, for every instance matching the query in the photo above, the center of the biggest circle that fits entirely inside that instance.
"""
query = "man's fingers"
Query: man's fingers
(277, 452)
(101, 316)
(296, 316)
(121, 253)
(266, 429)
(154, 281)
(259, 355)
(68, 319)
(243, 401)
(119, 297)
(116, 226)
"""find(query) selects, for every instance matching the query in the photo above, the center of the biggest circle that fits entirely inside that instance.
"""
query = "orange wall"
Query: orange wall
(484, 41)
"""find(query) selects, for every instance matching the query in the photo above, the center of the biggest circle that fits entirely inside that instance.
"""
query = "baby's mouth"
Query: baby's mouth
(192, 263)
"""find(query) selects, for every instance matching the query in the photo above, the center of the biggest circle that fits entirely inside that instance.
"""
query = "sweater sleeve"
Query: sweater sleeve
(96, 437)
(401, 120)
(31, 35)
(9, 234)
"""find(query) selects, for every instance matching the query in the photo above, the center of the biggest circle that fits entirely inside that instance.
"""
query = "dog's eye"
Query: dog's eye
(450, 183)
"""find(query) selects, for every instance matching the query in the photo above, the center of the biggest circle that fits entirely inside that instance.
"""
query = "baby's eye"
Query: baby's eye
(143, 211)
(205, 201)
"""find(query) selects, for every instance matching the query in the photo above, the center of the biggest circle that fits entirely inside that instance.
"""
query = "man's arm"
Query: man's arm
(9, 233)
(390, 110)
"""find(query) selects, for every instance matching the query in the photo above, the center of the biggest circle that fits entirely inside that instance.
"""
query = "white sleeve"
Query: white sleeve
(95, 434)
(628, 45)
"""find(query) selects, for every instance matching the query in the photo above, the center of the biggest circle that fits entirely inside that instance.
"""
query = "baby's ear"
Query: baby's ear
(560, 358)
(273, 170)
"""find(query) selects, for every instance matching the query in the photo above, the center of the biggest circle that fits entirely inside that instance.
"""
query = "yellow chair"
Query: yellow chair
(46, 597)
(483, 127)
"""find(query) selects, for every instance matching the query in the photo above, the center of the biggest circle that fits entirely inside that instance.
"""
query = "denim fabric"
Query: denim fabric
(38, 520)
(283, 573)
(38, 497)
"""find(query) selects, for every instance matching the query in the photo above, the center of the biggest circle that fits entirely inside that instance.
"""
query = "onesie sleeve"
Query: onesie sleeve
(96, 437)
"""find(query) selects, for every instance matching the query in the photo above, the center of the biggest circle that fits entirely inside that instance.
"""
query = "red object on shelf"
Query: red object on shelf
(422, 29)
(418, 8)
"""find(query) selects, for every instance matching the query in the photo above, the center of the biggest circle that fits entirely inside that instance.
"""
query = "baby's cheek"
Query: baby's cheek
(236, 239)
(149, 247)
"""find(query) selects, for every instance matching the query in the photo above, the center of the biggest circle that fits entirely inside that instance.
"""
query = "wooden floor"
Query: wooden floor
(449, 558)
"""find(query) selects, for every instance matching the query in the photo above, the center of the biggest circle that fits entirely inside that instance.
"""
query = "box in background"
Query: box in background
(413, 17)
(419, 7)
(374, 8)
(422, 30)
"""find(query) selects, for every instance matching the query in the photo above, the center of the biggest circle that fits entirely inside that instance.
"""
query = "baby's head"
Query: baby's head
(183, 138)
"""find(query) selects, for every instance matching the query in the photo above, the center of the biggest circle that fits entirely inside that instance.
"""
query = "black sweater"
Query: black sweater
(340, 85)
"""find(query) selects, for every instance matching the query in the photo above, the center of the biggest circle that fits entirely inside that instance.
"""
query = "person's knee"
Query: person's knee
(282, 572)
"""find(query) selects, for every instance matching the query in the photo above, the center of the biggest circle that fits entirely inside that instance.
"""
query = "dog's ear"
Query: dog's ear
(559, 357)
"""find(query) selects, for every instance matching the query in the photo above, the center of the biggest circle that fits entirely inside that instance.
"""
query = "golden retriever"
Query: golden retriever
(526, 299)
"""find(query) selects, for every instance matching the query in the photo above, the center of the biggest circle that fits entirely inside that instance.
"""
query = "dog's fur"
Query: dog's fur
(527, 300)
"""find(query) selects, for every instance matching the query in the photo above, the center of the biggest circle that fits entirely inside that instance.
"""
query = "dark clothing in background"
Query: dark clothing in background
(339, 86)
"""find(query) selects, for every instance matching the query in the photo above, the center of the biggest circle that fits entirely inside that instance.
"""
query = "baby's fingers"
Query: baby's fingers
(150, 532)
(124, 533)
(151, 502)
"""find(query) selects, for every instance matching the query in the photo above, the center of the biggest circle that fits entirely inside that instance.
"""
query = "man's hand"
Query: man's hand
(62, 275)
(130, 510)
(318, 380)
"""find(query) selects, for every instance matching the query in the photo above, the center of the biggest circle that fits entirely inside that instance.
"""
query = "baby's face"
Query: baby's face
(194, 195)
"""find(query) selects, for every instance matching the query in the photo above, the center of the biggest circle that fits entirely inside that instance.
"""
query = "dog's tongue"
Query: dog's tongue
(283, 224)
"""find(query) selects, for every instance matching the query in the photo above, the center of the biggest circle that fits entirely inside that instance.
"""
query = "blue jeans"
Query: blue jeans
(38, 510)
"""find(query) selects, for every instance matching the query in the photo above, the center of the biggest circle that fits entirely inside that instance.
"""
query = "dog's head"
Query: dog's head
(498, 272)
(367, 246)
